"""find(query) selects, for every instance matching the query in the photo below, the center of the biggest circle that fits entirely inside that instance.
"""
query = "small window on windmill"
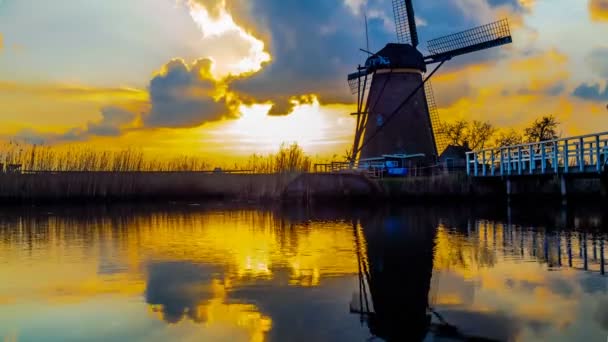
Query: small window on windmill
(379, 120)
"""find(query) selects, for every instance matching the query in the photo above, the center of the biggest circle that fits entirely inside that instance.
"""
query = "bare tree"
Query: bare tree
(475, 134)
(455, 132)
(479, 134)
(508, 138)
(542, 129)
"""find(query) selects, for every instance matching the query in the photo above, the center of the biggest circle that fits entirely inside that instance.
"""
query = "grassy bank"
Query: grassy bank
(69, 186)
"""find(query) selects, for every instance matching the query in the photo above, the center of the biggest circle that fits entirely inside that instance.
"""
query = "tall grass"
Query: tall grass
(289, 159)
(49, 158)
(51, 173)
(35, 158)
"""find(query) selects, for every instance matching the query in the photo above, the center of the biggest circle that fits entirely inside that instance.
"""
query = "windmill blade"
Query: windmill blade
(358, 79)
(405, 22)
(480, 38)
(441, 142)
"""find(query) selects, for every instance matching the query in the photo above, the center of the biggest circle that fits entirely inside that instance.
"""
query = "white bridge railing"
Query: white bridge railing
(581, 154)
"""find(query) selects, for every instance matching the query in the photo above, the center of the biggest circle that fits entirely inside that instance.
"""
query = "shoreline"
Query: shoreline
(108, 187)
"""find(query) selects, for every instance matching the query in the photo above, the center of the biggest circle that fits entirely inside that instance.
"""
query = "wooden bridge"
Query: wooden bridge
(585, 155)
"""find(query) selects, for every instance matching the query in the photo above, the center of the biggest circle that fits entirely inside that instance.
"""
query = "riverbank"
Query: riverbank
(277, 187)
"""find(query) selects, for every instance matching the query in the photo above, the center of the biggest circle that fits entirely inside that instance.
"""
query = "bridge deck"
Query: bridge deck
(584, 155)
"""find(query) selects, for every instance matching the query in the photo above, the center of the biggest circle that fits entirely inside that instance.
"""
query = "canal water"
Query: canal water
(191, 272)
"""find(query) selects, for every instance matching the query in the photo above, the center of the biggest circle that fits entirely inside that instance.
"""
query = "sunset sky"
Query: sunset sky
(234, 77)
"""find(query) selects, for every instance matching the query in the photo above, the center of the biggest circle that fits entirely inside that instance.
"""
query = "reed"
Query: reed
(289, 159)
(68, 173)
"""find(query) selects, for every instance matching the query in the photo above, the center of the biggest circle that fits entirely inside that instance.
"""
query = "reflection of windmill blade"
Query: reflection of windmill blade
(476, 39)
(440, 139)
(405, 22)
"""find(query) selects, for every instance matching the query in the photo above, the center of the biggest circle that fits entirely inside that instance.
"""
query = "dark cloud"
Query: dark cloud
(185, 96)
(598, 61)
(314, 44)
(552, 90)
(113, 119)
(591, 92)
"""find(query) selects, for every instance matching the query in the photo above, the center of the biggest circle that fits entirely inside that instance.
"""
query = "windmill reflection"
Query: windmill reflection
(395, 272)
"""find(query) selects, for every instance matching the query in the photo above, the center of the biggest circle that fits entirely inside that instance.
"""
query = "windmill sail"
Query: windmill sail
(440, 139)
(475, 39)
(405, 22)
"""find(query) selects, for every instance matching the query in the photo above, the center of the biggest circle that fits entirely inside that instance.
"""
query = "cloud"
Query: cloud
(598, 61)
(315, 59)
(112, 124)
(598, 9)
(179, 288)
(591, 92)
(65, 91)
(186, 96)
(113, 119)
(234, 50)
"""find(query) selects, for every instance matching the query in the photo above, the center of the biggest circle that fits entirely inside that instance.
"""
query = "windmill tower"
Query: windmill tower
(396, 111)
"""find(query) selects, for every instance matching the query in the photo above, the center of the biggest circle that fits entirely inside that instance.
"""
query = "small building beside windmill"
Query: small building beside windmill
(454, 158)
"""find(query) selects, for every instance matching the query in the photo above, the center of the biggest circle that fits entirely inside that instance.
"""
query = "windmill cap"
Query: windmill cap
(397, 56)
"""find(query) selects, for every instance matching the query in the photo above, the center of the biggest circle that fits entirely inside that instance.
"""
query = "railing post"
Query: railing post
(581, 155)
(591, 154)
(556, 157)
(520, 166)
(468, 163)
(598, 166)
(502, 156)
(566, 152)
(493, 157)
(476, 160)
(531, 155)
(509, 161)
(543, 154)
(483, 162)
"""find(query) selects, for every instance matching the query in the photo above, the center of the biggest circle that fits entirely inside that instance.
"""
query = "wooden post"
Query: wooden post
(581, 155)
(598, 159)
(555, 157)
(566, 152)
(520, 165)
(493, 157)
(509, 161)
(531, 155)
(476, 160)
(543, 156)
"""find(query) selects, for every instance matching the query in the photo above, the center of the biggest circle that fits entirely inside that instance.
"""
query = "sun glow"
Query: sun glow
(220, 24)
(309, 125)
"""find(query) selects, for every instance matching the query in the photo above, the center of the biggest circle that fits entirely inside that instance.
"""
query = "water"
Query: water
(183, 272)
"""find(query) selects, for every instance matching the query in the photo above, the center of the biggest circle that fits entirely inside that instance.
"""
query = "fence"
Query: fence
(581, 154)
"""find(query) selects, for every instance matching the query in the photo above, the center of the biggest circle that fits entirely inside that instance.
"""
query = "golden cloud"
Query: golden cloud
(598, 10)
(76, 92)
(246, 53)
(513, 93)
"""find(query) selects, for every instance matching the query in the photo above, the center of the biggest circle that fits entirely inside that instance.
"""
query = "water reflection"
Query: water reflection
(184, 272)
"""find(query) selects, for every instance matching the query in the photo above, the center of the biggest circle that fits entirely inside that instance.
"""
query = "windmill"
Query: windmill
(396, 112)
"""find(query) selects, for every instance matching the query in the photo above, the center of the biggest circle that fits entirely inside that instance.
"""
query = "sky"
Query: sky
(228, 78)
